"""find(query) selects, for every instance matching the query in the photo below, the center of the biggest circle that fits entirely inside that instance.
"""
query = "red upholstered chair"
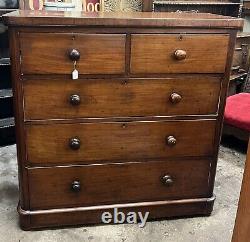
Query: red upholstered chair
(237, 113)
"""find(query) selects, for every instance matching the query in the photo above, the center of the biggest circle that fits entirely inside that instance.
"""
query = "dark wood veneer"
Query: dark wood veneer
(159, 53)
(122, 19)
(92, 214)
(118, 141)
(45, 53)
(140, 128)
(121, 97)
(117, 183)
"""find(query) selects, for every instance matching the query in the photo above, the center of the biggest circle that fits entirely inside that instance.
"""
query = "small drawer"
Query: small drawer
(60, 187)
(55, 53)
(171, 53)
(105, 142)
(121, 98)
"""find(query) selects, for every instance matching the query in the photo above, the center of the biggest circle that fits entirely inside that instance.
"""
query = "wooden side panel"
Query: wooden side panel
(242, 223)
(19, 118)
(46, 53)
(114, 98)
(118, 141)
(116, 183)
(154, 53)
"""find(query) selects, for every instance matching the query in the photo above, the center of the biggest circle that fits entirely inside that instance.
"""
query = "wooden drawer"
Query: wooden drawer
(46, 53)
(107, 98)
(103, 142)
(117, 183)
(170, 53)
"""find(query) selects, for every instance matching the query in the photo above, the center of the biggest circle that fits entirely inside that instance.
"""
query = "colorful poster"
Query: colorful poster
(91, 5)
(31, 4)
(66, 5)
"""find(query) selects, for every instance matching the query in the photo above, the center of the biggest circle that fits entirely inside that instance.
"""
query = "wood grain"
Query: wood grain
(122, 146)
(19, 118)
(45, 53)
(92, 214)
(155, 53)
(118, 141)
(120, 98)
(224, 89)
(117, 183)
(242, 223)
(121, 19)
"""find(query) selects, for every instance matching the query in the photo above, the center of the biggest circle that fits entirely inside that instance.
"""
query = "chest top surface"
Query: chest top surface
(121, 19)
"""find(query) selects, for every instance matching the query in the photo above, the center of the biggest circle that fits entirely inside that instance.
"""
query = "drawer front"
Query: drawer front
(117, 183)
(103, 142)
(111, 98)
(163, 53)
(46, 53)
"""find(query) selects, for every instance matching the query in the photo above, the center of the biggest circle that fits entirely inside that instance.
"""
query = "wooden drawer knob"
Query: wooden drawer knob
(167, 180)
(74, 143)
(76, 186)
(74, 99)
(175, 98)
(180, 54)
(74, 55)
(171, 140)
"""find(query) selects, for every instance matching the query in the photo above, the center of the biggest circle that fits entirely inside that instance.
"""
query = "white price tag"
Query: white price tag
(75, 74)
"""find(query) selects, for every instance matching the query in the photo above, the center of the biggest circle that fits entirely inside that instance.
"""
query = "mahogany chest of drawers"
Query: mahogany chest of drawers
(138, 129)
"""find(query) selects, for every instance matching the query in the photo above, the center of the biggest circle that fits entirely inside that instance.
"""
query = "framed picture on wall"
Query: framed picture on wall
(122, 5)
(91, 5)
(58, 5)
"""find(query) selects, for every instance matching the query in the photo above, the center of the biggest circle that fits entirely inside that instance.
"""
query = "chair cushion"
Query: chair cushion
(237, 111)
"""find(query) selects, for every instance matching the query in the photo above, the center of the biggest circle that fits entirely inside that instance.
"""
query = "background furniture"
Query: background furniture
(148, 158)
(230, 8)
(147, 5)
(240, 65)
(246, 8)
(242, 223)
(7, 126)
(237, 115)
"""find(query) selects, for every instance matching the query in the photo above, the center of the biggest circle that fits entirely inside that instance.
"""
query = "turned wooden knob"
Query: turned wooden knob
(175, 98)
(171, 140)
(74, 99)
(180, 54)
(167, 180)
(74, 55)
(76, 186)
(74, 143)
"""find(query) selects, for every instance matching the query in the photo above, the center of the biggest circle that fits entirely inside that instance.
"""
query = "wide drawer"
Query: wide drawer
(95, 142)
(117, 183)
(60, 99)
(46, 53)
(171, 53)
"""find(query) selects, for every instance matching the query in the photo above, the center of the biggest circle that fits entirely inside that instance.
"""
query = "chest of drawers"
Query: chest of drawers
(138, 130)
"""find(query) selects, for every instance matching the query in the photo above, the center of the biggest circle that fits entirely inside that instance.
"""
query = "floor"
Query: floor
(217, 227)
